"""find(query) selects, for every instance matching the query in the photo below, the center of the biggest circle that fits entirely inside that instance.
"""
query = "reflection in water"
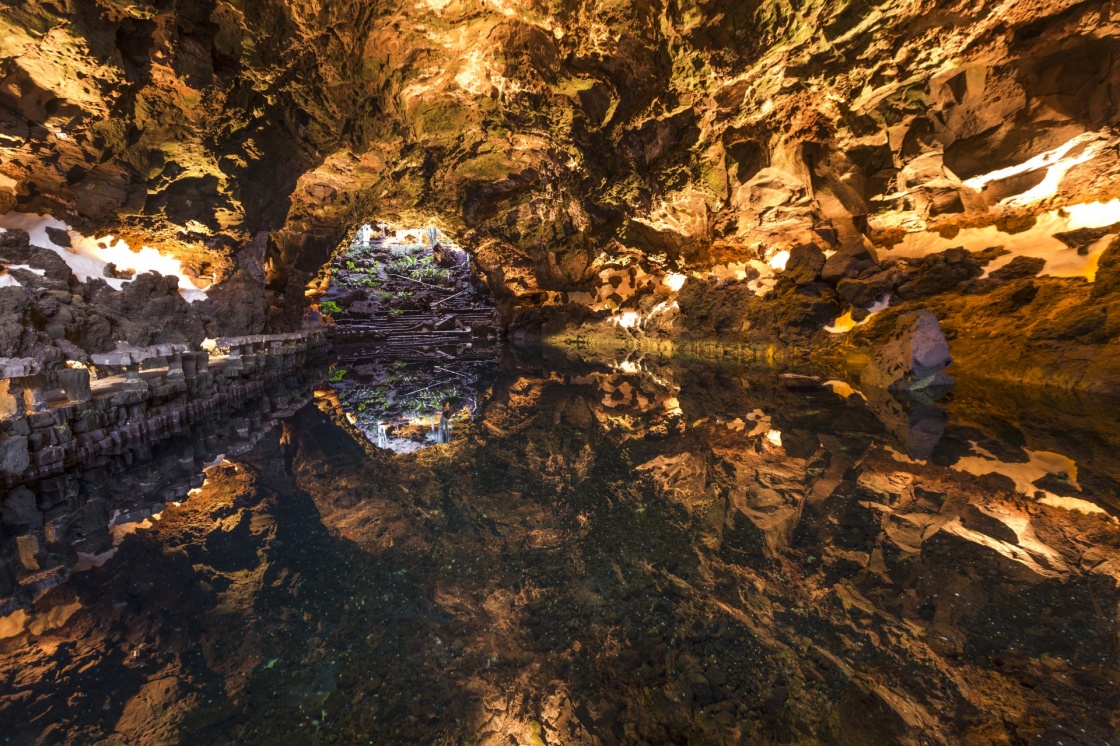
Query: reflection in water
(404, 406)
(76, 520)
(635, 552)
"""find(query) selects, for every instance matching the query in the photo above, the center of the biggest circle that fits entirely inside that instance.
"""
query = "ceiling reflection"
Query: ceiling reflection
(609, 551)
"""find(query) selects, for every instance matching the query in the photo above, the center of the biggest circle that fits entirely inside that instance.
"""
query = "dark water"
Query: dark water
(609, 552)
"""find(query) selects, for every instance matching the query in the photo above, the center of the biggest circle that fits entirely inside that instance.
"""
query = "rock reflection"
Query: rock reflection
(74, 521)
(636, 551)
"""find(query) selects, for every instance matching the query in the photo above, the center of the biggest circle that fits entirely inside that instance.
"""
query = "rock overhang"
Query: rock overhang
(583, 155)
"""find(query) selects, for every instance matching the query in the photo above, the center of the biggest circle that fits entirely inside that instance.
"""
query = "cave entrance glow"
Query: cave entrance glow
(417, 334)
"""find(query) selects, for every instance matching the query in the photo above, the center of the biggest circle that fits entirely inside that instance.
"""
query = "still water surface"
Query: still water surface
(607, 552)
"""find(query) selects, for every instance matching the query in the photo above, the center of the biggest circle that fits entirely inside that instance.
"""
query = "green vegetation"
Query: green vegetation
(330, 307)
(337, 375)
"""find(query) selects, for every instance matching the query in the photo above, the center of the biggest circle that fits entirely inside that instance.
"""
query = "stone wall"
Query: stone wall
(81, 457)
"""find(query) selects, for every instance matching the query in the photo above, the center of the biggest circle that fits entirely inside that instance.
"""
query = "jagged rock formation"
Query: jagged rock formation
(52, 316)
(646, 553)
(587, 153)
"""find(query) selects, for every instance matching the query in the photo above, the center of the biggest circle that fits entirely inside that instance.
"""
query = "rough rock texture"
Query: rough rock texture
(53, 317)
(913, 358)
(573, 145)
(673, 554)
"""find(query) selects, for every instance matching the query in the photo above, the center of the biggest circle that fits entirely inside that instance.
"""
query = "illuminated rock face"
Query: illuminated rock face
(587, 154)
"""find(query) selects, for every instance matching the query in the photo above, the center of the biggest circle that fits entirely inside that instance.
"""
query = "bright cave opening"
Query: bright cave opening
(417, 334)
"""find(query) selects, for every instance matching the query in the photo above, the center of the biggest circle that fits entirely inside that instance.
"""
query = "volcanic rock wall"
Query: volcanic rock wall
(586, 152)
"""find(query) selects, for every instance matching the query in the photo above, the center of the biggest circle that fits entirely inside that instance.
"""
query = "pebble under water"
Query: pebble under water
(626, 552)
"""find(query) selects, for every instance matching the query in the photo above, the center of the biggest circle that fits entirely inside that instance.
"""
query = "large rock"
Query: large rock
(940, 273)
(914, 357)
(861, 293)
(849, 262)
(804, 264)
(15, 246)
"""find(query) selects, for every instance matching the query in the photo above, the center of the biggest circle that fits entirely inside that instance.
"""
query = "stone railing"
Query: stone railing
(53, 420)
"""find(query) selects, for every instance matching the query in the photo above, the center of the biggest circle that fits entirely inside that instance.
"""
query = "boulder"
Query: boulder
(15, 245)
(850, 261)
(804, 264)
(448, 257)
(111, 271)
(915, 426)
(940, 273)
(20, 509)
(861, 293)
(1108, 271)
(1019, 268)
(913, 359)
(59, 237)
(14, 458)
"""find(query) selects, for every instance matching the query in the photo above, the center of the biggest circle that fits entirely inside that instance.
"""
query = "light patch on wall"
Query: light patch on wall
(1024, 552)
(13, 624)
(1024, 475)
(1073, 503)
(88, 257)
(778, 261)
(842, 388)
(473, 76)
(1057, 163)
(628, 320)
(53, 618)
(844, 324)
(674, 281)
(1038, 241)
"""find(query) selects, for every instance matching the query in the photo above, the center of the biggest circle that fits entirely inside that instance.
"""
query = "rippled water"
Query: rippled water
(609, 552)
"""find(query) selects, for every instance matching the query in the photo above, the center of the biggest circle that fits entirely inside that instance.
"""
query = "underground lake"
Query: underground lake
(560, 372)
(593, 550)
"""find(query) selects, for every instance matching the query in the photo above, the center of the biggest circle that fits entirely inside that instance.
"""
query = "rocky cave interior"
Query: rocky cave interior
(296, 243)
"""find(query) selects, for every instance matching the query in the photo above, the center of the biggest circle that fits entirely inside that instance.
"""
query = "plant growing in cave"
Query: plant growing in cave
(330, 307)
(432, 275)
(337, 375)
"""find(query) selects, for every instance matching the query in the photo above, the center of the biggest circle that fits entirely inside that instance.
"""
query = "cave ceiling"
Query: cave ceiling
(553, 136)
